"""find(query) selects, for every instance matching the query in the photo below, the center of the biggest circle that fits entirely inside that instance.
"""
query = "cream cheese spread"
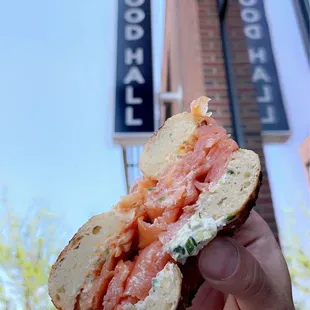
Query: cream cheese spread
(193, 236)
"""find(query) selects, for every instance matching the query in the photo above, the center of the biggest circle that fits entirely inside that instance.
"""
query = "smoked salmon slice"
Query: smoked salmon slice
(149, 233)
(92, 298)
(117, 285)
(217, 160)
(150, 261)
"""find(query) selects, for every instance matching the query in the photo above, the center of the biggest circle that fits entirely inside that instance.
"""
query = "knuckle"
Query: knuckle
(257, 284)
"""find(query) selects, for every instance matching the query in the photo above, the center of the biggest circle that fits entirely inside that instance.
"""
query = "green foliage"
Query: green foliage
(28, 247)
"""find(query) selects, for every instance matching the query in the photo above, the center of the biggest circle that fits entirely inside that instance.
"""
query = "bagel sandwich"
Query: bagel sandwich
(142, 254)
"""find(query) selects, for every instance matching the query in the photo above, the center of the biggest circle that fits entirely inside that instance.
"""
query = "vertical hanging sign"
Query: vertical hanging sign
(264, 76)
(134, 97)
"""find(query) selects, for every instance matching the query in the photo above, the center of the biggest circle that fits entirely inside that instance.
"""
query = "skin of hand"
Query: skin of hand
(246, 272)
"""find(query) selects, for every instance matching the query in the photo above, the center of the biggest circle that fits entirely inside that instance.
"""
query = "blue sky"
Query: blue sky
(57, 71)
(56, 94)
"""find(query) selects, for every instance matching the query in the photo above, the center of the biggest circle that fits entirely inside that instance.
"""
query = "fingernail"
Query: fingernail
(219, 259)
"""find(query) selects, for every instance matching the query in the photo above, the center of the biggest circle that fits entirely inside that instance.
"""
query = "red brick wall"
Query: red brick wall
(182, 53)
(216, 86)
(212, 58)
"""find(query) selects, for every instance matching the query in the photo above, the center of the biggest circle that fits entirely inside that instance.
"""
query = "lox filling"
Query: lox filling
(162, 210)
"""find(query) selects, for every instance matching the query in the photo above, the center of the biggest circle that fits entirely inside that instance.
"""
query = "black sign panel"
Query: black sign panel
(134, 103)
(265, 76)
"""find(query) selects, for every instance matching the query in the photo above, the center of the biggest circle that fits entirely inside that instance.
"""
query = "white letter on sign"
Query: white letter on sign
(260, 55)
(129, 120)
(250, 15)
(247, 2)
(134, 16)
(270, 117)
(130, 99)
(134, 74)
(253, 32)
(134, 3)
(267, 97)
(260, 74)
(133, 32)
(130, 56)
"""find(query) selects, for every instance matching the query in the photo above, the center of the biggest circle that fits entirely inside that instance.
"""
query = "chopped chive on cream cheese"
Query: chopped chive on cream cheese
(193, 236)
(155, 283)
(230, 217)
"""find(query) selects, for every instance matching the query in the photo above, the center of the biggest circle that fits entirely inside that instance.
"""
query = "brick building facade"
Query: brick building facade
(195, 60)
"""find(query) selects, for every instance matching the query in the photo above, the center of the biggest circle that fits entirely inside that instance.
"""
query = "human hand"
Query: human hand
(247, 272)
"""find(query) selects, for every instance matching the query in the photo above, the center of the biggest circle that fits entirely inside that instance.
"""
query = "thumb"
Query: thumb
(230, 268)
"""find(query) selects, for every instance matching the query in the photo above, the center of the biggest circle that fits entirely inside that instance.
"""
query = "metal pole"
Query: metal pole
(125, 167)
